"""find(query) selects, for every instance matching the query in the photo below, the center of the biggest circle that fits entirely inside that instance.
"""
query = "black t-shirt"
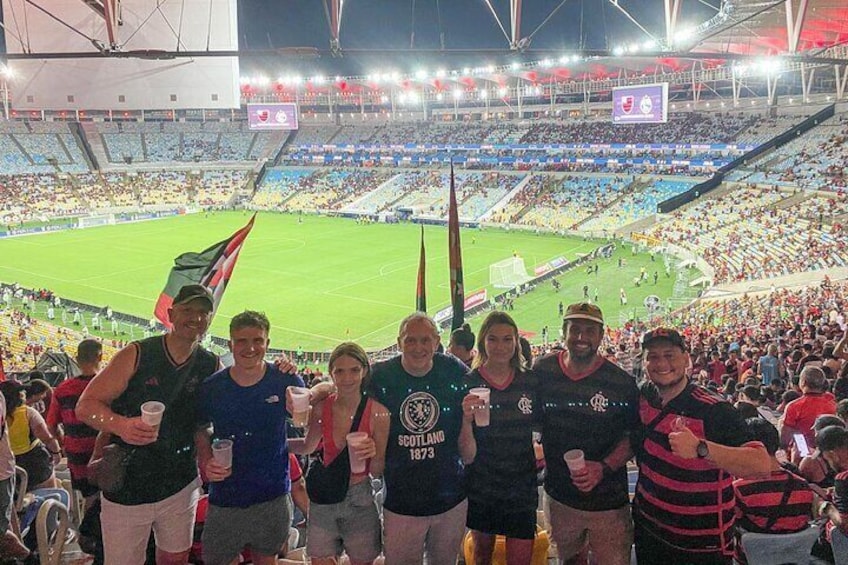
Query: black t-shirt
(424, 472)
(504, 471)
(593, 413)
(163, 468)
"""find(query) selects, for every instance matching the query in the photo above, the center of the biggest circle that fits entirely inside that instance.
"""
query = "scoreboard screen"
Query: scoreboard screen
(266, 117)
(643, 104)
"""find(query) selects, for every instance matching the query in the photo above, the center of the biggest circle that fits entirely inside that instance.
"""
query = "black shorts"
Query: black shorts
(38, 463)
(495, 519)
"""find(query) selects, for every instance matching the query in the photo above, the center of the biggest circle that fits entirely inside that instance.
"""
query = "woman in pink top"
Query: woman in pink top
(343, 515)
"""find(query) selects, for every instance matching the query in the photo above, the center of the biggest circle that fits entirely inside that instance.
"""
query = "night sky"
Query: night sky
(466, 24)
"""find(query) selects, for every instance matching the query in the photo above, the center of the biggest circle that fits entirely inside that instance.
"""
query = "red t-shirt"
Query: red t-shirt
(801, 413)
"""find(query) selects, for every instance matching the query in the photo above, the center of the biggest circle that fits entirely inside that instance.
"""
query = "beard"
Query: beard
(662, 387)
(581, 355)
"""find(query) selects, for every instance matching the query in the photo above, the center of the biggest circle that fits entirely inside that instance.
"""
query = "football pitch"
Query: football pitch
(320, 280)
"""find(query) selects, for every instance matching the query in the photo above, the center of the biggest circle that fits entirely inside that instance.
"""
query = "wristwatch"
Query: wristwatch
(702, 450)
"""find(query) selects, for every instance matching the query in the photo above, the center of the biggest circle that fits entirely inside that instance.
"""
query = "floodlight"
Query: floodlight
(457, 94)
(440, 96)
(297, 80)
(440, 73)
(502, 91)
(515, 66)
(318, 79)
(484, 94)
(575, 58)
(262, 80)
(490, 69)
(384, 99)
(563, 60)
(421, 75)
(618, 51)
(546, 63)
(650, 45)
(466, 71)
(7, 72)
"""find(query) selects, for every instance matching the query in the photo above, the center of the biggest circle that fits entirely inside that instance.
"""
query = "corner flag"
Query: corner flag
(420, 290)
(211, 268)
(455, 253)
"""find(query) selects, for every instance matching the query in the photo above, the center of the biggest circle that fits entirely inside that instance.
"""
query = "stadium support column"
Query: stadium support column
(515, 21)
(841, 74)
(334, 18)
(807, 75)
(795, 23)
(672, 11)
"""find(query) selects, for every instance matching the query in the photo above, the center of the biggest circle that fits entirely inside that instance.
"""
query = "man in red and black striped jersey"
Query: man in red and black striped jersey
(780, 503)
(833, 443)
(78, 438)
(590, 404)
(690, 446)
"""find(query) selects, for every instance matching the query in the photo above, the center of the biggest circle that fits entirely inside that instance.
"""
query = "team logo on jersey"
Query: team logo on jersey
(525, 404)
(599, 402)
(419, 412)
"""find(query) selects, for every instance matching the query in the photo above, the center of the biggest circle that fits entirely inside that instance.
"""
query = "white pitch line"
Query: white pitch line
(360, 299)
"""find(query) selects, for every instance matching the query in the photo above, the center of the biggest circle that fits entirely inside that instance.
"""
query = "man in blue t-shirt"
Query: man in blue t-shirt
(248, 501)
(430, 440)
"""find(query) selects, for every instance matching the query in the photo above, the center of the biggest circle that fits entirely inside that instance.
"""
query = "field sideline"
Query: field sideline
(321, 281)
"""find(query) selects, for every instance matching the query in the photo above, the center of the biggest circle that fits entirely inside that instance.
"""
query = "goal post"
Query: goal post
(508, 273)
(96, 220)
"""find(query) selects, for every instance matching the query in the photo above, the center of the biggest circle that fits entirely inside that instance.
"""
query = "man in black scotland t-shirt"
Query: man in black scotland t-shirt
(430, 440)
(588, 403)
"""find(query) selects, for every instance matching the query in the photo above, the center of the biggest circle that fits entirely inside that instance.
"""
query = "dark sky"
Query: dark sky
(466, 24)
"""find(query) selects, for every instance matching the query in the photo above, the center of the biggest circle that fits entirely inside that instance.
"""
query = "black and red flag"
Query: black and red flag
(420, 289)
(455, 253)
(211, 268)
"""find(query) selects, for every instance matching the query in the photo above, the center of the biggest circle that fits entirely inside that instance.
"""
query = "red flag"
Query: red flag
(212, 268)
(455, 254)
(421, 291)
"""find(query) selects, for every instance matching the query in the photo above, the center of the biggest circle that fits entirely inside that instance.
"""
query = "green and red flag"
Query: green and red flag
(212, 268)
(421, 290)
(457, 289)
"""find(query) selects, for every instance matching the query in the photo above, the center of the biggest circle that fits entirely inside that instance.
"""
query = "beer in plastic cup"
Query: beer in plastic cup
(151, 413)
(300, 406)
(222, 451)
(481, 415)
(575, 460)
(357, 465)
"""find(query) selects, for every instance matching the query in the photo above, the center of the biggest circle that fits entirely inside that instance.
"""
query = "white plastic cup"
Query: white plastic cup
(357, 464)
(222, 452)
(151, 413)
(481, 415)
(575, 460)
(300, 406)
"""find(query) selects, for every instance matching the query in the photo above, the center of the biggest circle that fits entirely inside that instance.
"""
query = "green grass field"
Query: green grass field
(321, 281)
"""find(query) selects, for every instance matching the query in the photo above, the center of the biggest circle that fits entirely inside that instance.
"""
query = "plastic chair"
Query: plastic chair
(51, 529)
(779, 549)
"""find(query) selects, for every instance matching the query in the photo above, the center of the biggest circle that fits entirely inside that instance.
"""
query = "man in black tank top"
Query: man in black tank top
(161, 486)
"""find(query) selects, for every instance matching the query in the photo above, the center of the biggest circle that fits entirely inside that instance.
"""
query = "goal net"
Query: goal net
(508, 273)
(96, 220)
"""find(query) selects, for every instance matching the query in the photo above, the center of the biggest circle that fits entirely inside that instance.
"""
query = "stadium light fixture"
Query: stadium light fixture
(384, 99)
(441, 73)
(242, 80)
(490, 69)
(515, 66)
(457, 94)
(421, 74)
(484, 94)
(575, 58)
(563, 60)
(502, 91)
(296, 80)
(318, 79)
(618, 51)
(683, 36)
(466, 71)
(7, 72)
(262, 80)
(650, 45)
(440, 96)
(546, 63)
(395, 76)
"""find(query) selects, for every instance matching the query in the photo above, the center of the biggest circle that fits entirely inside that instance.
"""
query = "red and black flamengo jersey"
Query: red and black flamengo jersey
(761, 507)
(592, 411)
(687, 503)
(504, 470)
(79, 438)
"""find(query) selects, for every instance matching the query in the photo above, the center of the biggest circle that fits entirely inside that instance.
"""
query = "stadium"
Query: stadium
(688, 174)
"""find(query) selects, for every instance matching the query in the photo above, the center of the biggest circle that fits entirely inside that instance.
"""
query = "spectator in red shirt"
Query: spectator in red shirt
(77, 438)
(800, 414)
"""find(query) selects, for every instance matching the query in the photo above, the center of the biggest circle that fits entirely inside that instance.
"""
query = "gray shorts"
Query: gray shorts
(264, 527)
(352, 525)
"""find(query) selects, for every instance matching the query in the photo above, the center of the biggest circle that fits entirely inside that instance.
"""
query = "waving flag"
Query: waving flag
(212, 267)
(421, 290)
(455, 253)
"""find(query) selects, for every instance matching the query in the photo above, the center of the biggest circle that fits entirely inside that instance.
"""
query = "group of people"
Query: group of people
(451, 436)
